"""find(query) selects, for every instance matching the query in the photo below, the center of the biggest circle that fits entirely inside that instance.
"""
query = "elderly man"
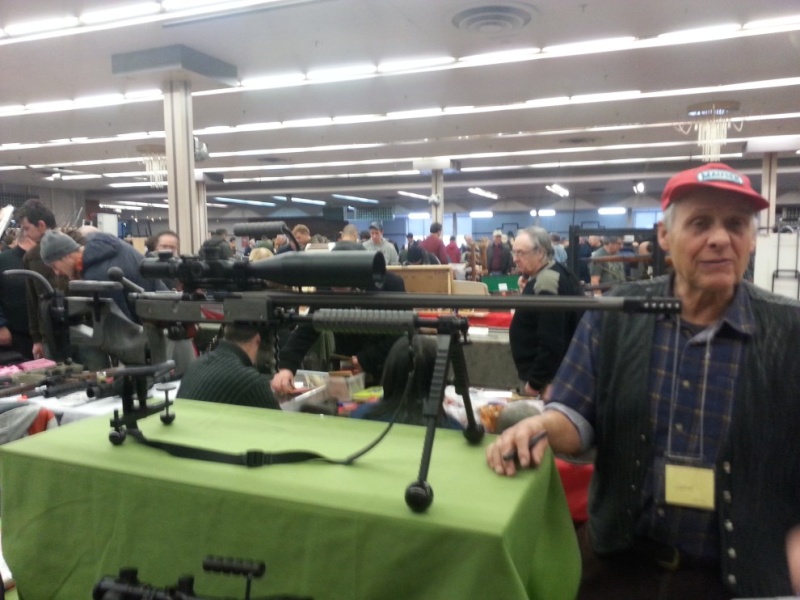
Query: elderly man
(539, 340)
(377, 243)
(694, 416)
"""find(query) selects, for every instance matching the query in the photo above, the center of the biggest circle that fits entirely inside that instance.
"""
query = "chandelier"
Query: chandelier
(154, 159)
(711, 121)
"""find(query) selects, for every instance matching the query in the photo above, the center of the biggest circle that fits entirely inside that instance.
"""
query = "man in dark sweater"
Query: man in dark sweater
(227, 374)
(538, 339)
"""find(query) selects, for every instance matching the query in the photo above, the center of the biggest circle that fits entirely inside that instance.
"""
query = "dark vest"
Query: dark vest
(758, 473)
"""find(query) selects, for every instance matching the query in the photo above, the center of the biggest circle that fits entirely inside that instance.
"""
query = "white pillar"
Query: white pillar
(769, 188)
(187, 214)
(437, 189)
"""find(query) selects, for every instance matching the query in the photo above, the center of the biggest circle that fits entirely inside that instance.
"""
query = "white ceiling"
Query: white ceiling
(537, 145)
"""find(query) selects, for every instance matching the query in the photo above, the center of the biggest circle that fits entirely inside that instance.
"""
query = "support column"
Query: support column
(769, 188)
(437, 189)
(187, 215)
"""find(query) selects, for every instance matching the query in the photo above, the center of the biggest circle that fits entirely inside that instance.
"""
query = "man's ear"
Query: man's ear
(663, 237)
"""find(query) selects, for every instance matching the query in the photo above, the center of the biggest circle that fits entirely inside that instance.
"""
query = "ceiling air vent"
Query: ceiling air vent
(494, 18)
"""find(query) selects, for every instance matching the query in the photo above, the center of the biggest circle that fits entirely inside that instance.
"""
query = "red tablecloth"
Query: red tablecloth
(499, 320)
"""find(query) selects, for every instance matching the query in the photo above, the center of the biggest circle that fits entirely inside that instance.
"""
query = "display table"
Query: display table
(75, 508)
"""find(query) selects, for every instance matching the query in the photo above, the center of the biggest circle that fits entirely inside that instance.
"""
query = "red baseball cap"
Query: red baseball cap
(712, 176)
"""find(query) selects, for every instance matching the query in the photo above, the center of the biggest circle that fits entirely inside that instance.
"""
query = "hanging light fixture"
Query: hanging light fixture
(711, 121)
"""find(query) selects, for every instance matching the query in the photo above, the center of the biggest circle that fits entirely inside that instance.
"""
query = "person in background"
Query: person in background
(586, 246)
(403, 254)
(364, 236)
(453, 251)
(15, 335)
(498, 256)
(559, 252)
(693, 415)
(302, 234)
(167, 241)
(93, 260)
(367, 352)
(468, 242)
(349, 240)
(35, 219)
(377, 243)
(434, 244)
(406, 384)
(417, 256)
(538, 339)
(607, 272)
(227, 374)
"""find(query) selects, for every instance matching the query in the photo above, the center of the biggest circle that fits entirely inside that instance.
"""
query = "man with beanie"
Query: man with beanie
(93, 260)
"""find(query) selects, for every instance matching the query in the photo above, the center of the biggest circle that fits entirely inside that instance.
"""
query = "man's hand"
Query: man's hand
(5, 337)
(37, 350)
(283, 382)
(356, 367)
(500, 454)
(530, 391)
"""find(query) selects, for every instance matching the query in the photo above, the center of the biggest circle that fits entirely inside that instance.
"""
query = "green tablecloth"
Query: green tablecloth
(75, 508)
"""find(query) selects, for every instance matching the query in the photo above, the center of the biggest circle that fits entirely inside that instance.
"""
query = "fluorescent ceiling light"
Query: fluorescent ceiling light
(51, 106)
(82, 176)
(120, 206)
(273, 81)
(12, 167)
(99, 100)
(40, 26)
(415, 114)
(505, 56)
(413, 195)
(639, 187)
(558, 190)
(340, 73)
(603, 45)
(247, 202)
(544, 102)
(309, 201)
(355, 199)
(419, 215)
(547, 212)
(312, 122)
(118, 14)
(481, 192)
(612, 210)
(481, 214)
(533, 212)
(414, 64)
(605, 97)
(132, 184)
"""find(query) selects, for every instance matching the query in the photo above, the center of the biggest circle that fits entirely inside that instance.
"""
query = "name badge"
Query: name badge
(692, 487)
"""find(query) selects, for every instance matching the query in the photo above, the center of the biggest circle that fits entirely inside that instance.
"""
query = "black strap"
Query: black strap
(251, 458)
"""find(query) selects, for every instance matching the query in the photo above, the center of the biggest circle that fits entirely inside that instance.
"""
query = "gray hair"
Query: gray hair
(610, 239)
(540, 239)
